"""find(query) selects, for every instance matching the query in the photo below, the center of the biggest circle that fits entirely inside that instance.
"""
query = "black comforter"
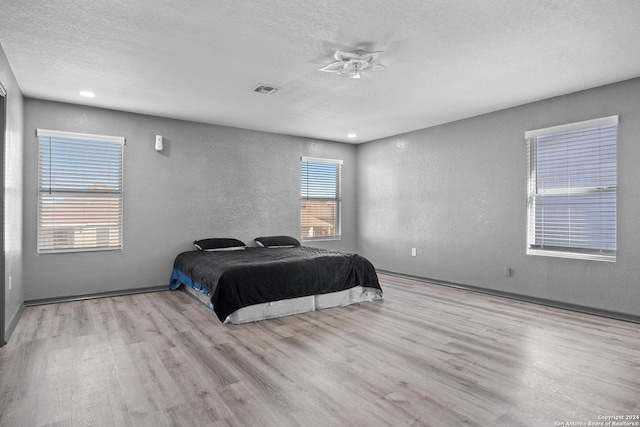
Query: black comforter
(237, 279)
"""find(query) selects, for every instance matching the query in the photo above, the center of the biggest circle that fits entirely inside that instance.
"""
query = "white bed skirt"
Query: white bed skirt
(287, 307)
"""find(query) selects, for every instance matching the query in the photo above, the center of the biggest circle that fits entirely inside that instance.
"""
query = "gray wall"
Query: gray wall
(210, 181)
(457, 193)
(13, 187)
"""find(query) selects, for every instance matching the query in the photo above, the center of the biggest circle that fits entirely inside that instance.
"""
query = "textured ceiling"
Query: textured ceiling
(199, 60)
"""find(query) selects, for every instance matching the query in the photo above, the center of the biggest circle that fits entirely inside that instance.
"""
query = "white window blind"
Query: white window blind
(321, 198)
(572, 190)
(80, 192)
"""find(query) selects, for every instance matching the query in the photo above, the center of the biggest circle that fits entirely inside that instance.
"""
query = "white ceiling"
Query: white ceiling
(199, 60)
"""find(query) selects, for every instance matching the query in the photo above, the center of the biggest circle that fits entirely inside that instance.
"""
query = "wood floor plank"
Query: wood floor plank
(90, 394)
(197, 390)
(55, 383)
(425, 355)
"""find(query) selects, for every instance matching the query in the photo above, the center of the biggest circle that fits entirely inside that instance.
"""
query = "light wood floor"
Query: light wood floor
(425, 355)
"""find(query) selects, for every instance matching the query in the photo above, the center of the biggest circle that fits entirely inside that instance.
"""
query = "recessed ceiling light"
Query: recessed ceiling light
(87, 94)
(351, 135)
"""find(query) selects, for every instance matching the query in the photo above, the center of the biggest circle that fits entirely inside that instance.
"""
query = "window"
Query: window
(572, 190)
(321, 196)
(79, 192)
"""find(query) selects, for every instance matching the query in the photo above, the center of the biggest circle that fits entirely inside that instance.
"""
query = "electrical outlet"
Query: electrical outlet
(9, 282)
(414, 252)
(507, 272)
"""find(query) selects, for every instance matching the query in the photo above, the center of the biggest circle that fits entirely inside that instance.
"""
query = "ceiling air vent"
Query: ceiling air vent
(265, 89)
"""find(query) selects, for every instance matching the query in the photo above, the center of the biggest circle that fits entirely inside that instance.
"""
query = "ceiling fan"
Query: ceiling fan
(354, 64)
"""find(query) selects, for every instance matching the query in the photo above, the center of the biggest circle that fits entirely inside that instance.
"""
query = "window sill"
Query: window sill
(76, 251)
(320, 239)
(572, 255)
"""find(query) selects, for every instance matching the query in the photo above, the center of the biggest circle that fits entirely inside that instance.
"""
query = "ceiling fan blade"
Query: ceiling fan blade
(333, 67)
(346, 56)
(365, 47)
(374, 55)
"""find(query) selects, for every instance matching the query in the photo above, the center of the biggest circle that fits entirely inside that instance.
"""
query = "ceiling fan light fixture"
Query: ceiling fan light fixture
(354, 64)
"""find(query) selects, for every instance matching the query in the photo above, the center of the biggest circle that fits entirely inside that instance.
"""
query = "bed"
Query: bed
(245, 284)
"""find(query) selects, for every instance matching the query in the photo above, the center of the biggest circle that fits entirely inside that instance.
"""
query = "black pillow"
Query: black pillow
(219, 244)
(277, 242)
